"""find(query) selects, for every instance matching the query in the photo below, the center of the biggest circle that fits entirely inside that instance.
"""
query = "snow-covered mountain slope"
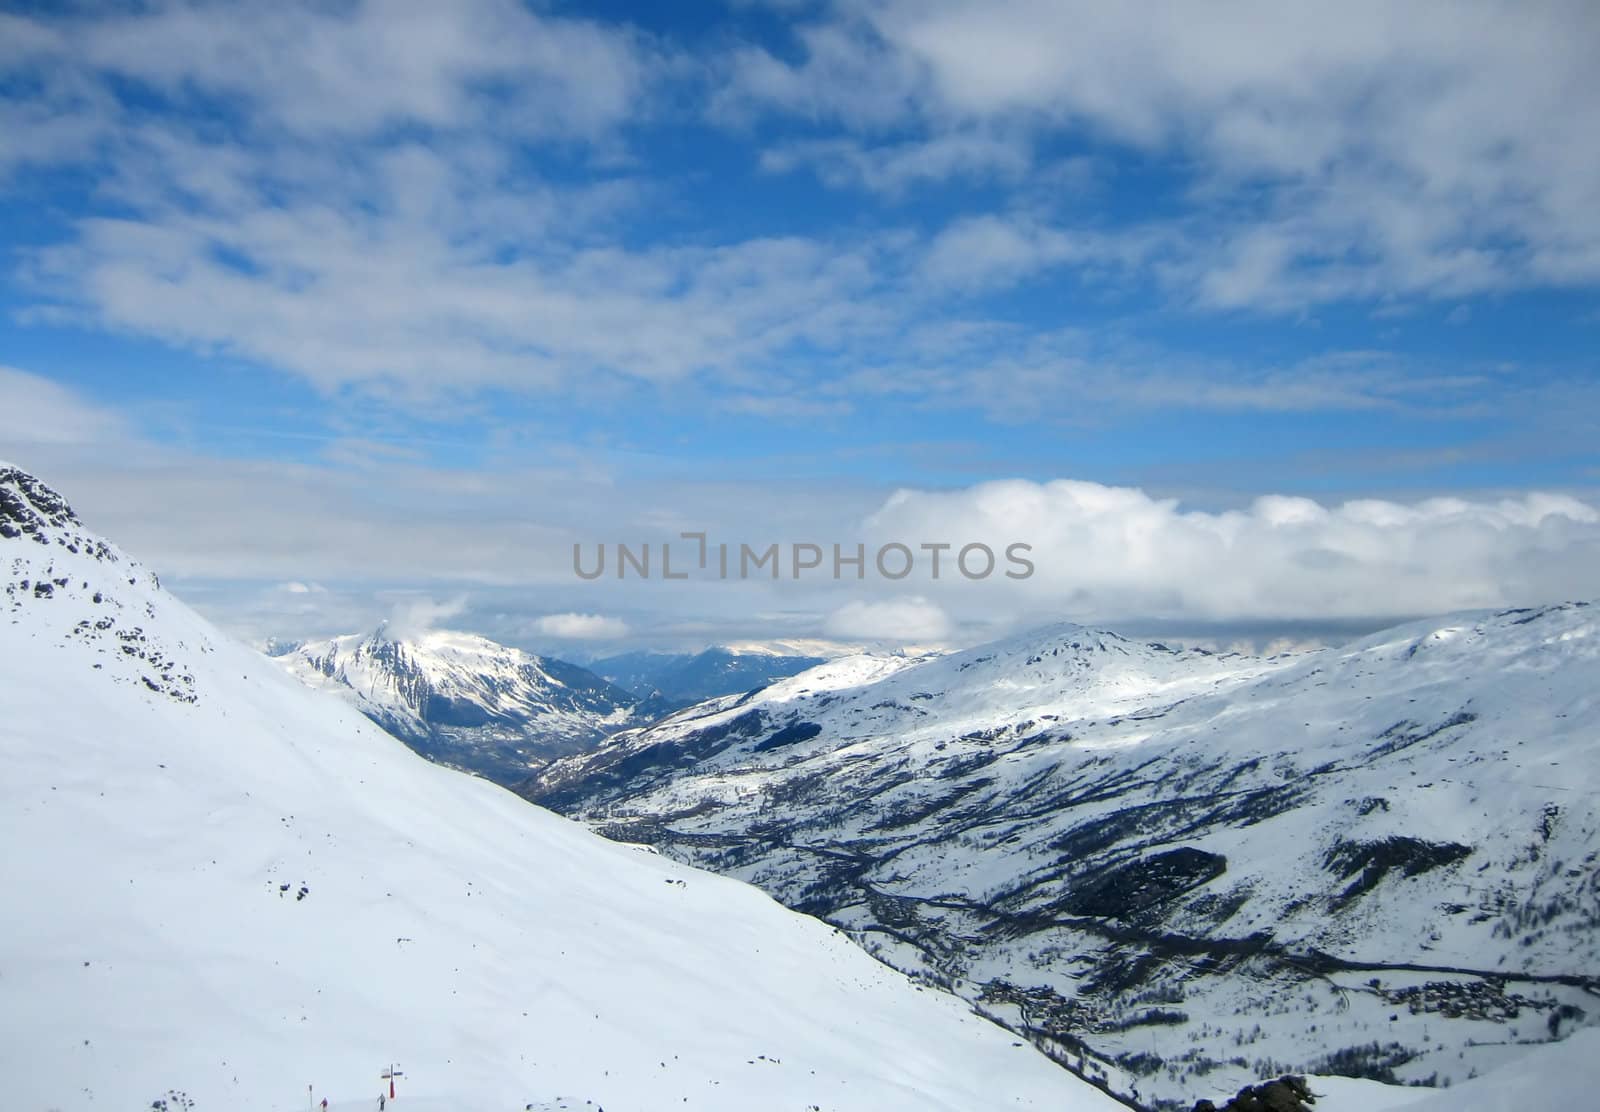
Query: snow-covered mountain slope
(1555, 1075)
(682, 679)
(221, 887)
(1187, 871)
(466, 701)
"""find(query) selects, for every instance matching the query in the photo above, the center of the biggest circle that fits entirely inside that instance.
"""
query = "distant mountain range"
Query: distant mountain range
(1179, 870)
(682, 679)
(491, 709)
(466, 701)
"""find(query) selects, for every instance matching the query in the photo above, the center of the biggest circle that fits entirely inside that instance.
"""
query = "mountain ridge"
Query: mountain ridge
(1124, 850)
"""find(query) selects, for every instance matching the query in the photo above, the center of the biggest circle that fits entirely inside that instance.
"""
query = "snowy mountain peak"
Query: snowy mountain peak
(30, 509)
(28, 506)
(465, 700)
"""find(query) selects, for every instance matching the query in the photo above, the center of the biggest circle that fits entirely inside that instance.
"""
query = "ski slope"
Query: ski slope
(222, 885)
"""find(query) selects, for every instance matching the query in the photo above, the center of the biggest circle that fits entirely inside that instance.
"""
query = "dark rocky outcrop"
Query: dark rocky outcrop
(789, 735)
(28, 507)
(1286, 1094)
(1123, 890)
(1369, 862)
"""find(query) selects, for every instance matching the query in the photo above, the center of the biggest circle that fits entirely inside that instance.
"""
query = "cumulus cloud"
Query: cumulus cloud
(582, 627)
(910, 619)
(1109, 552)
(413, 617)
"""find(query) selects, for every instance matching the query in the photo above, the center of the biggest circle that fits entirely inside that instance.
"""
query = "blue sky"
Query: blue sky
(602, 269)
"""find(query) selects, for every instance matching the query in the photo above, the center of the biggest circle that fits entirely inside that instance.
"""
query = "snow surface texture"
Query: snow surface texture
(221, 887)
(467, 702)
(1181, 871)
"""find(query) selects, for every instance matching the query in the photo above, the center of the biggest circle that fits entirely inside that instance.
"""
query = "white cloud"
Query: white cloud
(907, 620)
(1350, 151)
(375, 211)
(582, 627)
(844, 77)
(422, 272)
(1106, 553)
(315, 68)
(413, 617)
(373, 214)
